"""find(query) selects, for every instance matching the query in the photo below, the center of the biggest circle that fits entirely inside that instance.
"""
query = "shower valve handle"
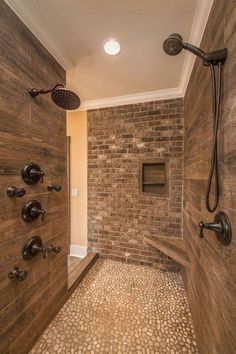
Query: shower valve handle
(35, 172)
(221, 226)
(15, 192)
(54, 187)
(53, 249)
(31, 173)
(34, 212)
(217, 227)
(18, 274)
(36, 248)
(201, 226)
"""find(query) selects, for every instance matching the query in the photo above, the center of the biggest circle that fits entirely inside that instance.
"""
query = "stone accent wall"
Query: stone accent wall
(119, 214)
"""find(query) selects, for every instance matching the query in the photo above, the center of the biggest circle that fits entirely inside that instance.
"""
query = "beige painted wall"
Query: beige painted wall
(77, 130)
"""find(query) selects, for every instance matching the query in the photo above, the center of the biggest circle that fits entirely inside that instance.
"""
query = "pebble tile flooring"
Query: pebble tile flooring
(122, 308)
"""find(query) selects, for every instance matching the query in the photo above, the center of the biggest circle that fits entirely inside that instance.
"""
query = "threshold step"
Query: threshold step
(77, 268)
(172, 247)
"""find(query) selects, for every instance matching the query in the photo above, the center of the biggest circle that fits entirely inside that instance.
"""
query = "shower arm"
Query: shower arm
(34, 92)
(195, 50)
(212, 58)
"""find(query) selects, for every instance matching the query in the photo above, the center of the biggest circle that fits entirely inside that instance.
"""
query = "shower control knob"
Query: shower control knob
(32, 173)
(15, 192)
(32, 210)
(54, 187)
(221, 226)
(35, 212)
(54, 249)
(18, 274)
(33, 247)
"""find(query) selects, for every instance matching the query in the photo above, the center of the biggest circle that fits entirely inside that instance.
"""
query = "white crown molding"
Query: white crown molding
(201, 16)
(131, 99)
(64, 61)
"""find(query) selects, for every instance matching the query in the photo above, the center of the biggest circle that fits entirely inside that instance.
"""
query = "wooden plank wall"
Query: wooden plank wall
(211, 279)
(30, 130)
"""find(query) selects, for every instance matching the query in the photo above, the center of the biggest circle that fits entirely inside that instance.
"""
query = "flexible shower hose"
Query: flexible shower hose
(214, 171)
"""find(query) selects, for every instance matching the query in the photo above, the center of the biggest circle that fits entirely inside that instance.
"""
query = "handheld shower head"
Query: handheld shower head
(173, 44)
(63, 98)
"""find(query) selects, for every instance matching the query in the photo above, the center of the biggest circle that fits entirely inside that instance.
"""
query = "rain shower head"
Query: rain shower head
(63, 98)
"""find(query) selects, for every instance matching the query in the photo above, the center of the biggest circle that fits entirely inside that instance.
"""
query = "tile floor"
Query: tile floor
(122, 308)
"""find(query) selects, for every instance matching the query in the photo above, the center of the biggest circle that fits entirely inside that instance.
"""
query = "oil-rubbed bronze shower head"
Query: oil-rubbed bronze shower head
(173, 44)
(63, 98)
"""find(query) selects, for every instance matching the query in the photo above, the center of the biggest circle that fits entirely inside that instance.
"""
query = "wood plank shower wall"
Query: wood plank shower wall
(211, 279)
(30, 130)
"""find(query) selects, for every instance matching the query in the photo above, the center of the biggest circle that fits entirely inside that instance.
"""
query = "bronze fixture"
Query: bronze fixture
(34, 246)
(173, 45)
(54, 187)
(18, 274)
(32, 210)
(15, 192)
(32, 173)
(221, 226)
(63, 98)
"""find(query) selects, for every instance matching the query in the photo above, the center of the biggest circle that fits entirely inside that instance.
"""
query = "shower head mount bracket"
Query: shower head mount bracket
(216, 57)
(35, 92)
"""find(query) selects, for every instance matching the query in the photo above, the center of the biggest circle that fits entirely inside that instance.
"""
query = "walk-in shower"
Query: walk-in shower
(173, 45)
(63, 97)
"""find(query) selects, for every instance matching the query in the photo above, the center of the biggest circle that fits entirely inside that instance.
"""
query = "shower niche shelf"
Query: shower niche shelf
(153, 177)
(172, 247)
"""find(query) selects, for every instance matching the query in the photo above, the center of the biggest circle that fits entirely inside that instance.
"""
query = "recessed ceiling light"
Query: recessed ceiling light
(112, 47)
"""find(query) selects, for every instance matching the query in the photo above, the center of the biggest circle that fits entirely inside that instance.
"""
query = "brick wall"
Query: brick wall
(119, 215)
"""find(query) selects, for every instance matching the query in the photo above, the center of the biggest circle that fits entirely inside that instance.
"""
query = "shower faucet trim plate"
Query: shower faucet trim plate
(221, 226)
(32, 210)
(32, 173)
(35, 245)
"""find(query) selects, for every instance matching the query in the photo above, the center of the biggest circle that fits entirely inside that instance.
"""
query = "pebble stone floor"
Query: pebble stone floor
(122, 308)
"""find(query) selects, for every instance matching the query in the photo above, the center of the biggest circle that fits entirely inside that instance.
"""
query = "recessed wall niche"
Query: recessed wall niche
(154, 177)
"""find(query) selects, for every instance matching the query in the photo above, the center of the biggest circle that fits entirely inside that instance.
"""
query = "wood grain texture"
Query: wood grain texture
(211, 279)
(30, 130)
(172, 247)
(77, 268)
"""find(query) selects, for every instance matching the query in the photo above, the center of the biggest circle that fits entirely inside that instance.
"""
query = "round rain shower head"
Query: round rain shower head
(65, 98)
(173, 44)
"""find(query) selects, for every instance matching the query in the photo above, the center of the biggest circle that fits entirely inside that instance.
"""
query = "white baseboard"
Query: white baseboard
(78, 251)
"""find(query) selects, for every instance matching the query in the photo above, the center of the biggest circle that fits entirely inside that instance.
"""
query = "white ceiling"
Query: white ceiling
(74, 32)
